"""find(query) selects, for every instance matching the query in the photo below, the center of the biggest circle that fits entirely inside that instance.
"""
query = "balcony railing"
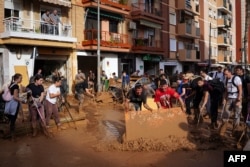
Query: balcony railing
(19, 27)
(107, 39)
(188, 55)
(146, 8)
(188, 5)
(223, 55)
(223, 39)
(224, 5)
(188, 30)
(120, 4)
(145, 44)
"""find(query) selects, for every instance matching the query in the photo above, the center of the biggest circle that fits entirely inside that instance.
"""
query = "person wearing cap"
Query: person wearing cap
(135, 98)
(163, 95)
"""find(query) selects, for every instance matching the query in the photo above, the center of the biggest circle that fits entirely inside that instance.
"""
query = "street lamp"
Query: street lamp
(98, 48)
(209, 49)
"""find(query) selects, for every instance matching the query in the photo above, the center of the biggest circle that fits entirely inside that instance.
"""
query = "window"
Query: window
(113, 26)
(210, 12)
(173, 45)
(214, 51)
(172, 18)
(10, 13)
(215, 15)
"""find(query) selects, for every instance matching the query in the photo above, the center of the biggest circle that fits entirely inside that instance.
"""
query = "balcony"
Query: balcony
(15, 27)
(188, 6)
(146, 45)
(223, 40)
(108, 39)
(224, 6)
(187, 55)
(188, 30)
(223, 22)
(146, 12)
(223, 56)
(119, 6)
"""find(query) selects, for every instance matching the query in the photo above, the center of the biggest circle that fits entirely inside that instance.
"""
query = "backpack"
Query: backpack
(6, 94)
(233, 84)
(217, 85)
(179, 88)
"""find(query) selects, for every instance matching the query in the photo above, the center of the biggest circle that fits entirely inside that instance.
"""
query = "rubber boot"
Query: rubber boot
(223, 128)
(34, 132)
(196, 116)
(13, 136)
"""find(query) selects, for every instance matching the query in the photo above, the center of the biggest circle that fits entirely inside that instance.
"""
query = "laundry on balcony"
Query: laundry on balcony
(105, 14)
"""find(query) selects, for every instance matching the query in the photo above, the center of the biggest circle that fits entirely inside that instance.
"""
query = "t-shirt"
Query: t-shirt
(36, 90)
(13, 87)
(232, 91)
(54, 90)
(163, 97)
(45, 18)
(137, 99)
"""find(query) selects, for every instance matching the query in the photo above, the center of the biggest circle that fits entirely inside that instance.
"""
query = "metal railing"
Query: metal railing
(106, 36)
(17, 24)
(146, 42)
(147, 8)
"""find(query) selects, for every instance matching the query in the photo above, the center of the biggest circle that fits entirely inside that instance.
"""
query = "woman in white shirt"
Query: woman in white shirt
(53, 93)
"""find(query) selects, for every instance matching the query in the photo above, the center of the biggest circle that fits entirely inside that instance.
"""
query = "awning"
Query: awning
(59, 2)
(150, 24)
(105, 14)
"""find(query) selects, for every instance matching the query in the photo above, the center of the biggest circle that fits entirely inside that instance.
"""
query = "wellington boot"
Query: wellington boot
(223, 128)
(34, 132)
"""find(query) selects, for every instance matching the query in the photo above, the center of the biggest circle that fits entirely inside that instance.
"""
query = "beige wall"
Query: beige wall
(1, 14)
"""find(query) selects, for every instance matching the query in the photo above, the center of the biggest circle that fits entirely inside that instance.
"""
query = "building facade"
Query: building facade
(145, 35)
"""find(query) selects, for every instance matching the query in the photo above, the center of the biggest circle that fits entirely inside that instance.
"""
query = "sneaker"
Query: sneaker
(34, 133)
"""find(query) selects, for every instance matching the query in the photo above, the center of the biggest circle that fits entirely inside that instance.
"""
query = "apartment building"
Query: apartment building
(183, 53)
(131, 35)
(27, 44)
(218, 32)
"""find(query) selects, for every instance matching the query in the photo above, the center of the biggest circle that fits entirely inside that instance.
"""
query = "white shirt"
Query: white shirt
(232, 90)
(207, 78)
(54, 90)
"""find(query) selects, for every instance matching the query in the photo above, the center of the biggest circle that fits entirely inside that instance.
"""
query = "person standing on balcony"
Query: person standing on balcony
(55, 20)
(46, 22)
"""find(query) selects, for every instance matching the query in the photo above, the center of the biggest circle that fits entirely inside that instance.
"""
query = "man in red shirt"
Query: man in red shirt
(164, 94)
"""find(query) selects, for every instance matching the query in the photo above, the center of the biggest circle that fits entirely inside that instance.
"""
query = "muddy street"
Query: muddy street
(97, 142)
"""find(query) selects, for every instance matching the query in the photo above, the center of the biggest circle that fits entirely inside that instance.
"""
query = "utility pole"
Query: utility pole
(98, 48)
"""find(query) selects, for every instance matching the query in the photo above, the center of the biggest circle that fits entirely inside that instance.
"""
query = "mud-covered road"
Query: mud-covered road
(97, 142)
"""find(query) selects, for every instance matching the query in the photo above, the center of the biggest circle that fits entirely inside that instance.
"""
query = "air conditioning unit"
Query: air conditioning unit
(132, 25)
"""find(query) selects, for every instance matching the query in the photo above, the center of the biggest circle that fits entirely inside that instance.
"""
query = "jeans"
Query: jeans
(231, 106)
